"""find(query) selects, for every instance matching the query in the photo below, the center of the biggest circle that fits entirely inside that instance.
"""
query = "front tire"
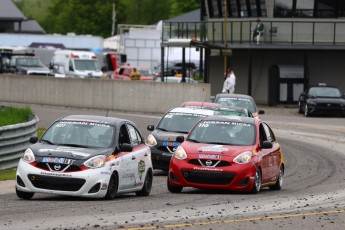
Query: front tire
(257, 182)
(24, 195)
(173, 189)
(145, 191)
(112, 187)
(299, 107)
(278, 185)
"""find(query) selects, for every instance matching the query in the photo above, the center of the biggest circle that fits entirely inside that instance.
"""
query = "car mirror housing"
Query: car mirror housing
(266, 145)
(261, 111)
(150, 127)
(180, 139)
(126, 148)
(33, 140)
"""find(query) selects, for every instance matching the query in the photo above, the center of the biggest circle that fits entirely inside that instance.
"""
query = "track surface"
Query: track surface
(313, 194)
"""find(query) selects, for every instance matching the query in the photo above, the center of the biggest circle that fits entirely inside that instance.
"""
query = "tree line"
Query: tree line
(96, 16)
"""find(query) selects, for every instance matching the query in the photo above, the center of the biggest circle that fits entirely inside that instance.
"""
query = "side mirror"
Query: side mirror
(180, 139)
(261, 111)
(266, 145)
(150, 127)
(125, 147)
(33, 140)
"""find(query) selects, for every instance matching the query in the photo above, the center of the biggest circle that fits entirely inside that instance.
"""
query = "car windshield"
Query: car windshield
(237, 102)
(80, 134)
(145, 72)
(178, 122)
(231, 113)
(32, 62)
(223, 133)
(324, 92)
(84, 64)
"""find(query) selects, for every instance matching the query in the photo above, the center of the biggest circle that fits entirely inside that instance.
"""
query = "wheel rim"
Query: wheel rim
(257, 181)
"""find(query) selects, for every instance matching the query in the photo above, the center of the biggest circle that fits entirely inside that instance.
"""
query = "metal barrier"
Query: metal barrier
(14, 139)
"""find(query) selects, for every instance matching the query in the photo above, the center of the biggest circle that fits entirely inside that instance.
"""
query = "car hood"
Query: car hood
(77, 153)
(214, 149)
(166, 136)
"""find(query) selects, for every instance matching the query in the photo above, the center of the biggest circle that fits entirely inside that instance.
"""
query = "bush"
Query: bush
(11, 115)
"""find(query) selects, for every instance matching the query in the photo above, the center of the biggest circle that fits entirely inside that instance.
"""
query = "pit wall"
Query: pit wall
(128, 96)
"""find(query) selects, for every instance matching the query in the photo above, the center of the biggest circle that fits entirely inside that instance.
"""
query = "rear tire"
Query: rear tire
(112, 187)
(257, 182)
(299, 107)
(24, 195)
(278, 185)
(173, 189)
(145, 191)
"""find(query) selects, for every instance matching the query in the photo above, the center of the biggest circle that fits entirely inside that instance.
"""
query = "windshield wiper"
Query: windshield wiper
(46, 141)
(218, 143)
(76, 145)
(165, 130)
(193, 140)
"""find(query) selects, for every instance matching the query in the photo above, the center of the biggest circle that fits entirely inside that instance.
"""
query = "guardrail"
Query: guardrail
(14, 139)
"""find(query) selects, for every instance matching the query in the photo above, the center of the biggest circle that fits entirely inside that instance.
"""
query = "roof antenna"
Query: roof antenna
(107, 113)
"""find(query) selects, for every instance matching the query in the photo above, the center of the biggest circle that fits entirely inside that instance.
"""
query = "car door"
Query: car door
(275, 156)
(127, 172)
(140, 153)
(266, 160)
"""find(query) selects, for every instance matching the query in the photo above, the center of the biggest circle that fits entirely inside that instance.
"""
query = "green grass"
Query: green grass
(11, 115)
(8, 174)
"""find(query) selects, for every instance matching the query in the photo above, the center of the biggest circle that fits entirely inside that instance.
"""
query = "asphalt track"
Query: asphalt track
(312, 197)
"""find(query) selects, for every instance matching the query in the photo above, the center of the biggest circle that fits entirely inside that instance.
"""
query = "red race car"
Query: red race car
(230, 153)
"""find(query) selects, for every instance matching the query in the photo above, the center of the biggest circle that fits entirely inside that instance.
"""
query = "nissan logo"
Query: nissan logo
(57, 167)
(208, 162)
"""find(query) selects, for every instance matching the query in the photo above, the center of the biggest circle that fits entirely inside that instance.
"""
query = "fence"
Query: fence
(14, 139)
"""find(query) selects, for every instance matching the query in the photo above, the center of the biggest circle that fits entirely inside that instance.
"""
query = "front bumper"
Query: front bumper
(87, 183)
(234, 177)
(160, 159)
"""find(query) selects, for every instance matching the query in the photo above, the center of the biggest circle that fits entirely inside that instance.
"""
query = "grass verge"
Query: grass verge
(8, 174)
(11, 115)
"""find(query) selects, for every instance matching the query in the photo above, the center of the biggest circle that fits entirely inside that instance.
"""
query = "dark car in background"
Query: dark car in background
(321, 99)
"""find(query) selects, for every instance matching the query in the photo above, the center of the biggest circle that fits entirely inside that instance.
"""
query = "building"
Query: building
(303, 43)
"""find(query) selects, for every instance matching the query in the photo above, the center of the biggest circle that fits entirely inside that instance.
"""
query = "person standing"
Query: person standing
(135, 74)
(230, 82)
(258, 31)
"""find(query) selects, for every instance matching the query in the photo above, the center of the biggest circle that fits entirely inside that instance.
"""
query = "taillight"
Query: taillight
(94, 57)
(74, 56)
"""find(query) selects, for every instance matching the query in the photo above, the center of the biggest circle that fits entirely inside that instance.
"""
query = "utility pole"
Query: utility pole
(225, 38)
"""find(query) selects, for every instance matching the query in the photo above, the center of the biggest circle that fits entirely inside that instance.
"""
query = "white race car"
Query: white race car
(87, 156)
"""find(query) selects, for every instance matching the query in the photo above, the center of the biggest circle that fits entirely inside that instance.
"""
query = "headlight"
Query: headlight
(244, 158)
(180, 153)
(28, 156)
(151, 140)
(96, 162)
(310, 102)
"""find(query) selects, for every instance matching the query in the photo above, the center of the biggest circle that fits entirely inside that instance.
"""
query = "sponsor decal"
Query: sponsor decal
(66, 150)
(171, 144)
(233, 99)
(57, 160)
(212, 148)
(204, 156)
(208, 169)
(128, 175)
(141, 167)
(56, 174)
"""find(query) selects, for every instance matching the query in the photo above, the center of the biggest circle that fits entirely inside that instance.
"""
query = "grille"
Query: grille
(56, 183)
(200, 177)
(64, 167)
(215, 163)
(169, 149)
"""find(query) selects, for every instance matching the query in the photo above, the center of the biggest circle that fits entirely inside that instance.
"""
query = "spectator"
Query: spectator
(230, 82)
(258, 31)
(135, 75)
